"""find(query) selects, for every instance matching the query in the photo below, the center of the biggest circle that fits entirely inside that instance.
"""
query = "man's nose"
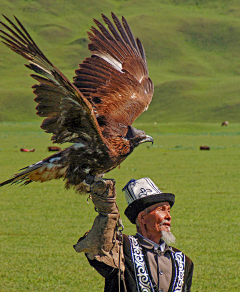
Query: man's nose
(168, 215)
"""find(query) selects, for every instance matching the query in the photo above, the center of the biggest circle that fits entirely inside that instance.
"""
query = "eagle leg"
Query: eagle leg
(91, 179)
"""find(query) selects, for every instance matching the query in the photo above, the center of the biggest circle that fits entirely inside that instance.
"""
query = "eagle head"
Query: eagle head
(137, 137)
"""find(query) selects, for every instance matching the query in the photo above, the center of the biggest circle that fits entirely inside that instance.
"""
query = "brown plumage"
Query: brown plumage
(95, 112)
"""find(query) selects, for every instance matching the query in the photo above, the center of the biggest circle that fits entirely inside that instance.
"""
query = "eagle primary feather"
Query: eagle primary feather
(95, 112)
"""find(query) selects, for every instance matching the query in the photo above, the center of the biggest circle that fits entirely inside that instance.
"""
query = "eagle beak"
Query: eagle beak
(146, 139)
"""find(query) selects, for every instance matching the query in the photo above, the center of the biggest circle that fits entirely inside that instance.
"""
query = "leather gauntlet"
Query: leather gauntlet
(102, 242)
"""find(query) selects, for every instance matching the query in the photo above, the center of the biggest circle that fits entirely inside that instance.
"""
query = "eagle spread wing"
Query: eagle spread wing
(95, 112)
(115, 78)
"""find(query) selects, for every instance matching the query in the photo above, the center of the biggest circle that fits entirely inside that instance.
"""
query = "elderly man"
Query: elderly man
(143, 262)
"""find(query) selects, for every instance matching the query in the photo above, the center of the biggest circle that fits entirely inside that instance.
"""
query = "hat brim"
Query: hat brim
(139, 205)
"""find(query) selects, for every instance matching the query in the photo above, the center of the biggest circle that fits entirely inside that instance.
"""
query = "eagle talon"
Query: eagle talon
(111, 179)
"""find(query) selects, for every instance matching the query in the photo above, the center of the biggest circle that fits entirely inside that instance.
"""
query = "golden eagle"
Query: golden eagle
(95, 112)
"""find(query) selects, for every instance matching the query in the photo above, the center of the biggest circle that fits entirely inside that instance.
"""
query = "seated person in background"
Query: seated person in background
(143, 262)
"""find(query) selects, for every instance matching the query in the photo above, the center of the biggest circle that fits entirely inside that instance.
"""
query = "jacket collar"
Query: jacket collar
(149, 244)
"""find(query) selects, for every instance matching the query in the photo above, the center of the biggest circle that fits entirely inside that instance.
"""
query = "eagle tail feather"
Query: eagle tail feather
(44, 170)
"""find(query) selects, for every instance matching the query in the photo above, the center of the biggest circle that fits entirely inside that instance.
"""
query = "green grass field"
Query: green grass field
(41, 222)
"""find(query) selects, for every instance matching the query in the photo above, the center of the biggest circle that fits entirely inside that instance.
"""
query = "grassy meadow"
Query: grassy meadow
(41, 222)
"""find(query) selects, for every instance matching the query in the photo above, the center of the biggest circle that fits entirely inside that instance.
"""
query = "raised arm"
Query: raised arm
(101, 244)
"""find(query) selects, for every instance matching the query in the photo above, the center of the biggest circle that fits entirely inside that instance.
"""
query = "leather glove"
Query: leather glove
(101, 241)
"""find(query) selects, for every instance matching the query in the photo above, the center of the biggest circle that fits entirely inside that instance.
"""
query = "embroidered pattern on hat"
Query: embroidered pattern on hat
(144, 192)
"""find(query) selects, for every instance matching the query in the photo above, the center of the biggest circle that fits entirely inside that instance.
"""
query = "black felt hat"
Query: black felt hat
(141, 194)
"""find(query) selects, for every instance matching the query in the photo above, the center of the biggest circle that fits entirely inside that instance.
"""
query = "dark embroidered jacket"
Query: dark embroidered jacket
(111, 275)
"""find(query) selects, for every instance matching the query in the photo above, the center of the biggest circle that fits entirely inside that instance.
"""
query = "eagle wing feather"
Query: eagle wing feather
(111, 89)
(115, 78)
(68, 114)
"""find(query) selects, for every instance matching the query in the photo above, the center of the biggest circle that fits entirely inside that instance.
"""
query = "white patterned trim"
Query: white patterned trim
(179, 278)
(144, 283)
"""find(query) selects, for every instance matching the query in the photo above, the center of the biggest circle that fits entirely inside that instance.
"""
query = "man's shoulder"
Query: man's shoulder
(126, 241)
(127, 245)
(126, 238)
(174, 249)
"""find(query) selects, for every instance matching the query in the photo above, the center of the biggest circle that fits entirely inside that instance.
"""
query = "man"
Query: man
(143, 262)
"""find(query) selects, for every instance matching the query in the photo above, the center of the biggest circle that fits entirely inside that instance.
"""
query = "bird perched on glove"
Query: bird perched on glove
(95, 112)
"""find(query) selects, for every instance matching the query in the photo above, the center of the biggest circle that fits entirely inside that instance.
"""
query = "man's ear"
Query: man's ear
(142, 223)
(142, 217)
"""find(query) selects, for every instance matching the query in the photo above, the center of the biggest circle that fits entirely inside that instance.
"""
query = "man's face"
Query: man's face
(158, 219)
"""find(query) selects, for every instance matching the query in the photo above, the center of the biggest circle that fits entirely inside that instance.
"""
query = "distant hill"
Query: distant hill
(192, 48)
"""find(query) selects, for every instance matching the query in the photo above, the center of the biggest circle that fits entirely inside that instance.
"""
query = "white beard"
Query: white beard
(168, 237)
